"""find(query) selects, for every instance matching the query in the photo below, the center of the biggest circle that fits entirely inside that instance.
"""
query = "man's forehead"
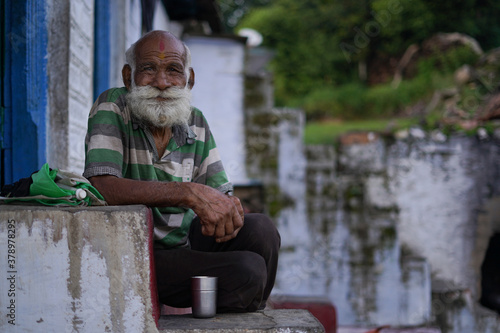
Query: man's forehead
(162, 43)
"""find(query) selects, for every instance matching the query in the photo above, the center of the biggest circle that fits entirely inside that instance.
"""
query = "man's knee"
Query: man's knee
(243, 289)
(263, 233)
(250, 269)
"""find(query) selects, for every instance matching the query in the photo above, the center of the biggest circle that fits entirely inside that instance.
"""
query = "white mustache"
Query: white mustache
(145, 105)
(148, 92)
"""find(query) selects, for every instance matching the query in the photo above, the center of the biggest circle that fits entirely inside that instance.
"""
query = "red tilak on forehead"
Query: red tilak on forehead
(162, 46)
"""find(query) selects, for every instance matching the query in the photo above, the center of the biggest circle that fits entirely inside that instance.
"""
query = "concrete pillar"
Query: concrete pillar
(77, 269)
(70, 68)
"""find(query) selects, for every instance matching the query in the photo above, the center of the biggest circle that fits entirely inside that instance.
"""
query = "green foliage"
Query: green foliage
(401, 23)
(327, 132)
(355, 100)
(345, 101)
(447, 62)
(303, 35)
(319, 44)
(487, 24)
(233, 10)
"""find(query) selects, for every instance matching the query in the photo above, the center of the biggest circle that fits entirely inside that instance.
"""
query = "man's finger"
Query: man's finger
(237, 221)
(239, 207)
(207, 229)
(229, 228)
(220, 230)
(228, 237)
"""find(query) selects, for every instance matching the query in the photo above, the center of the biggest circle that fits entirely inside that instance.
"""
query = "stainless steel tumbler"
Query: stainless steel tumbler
(204, 296)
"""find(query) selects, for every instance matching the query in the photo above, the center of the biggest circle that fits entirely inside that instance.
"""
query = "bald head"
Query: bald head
(160, 44)
(156, 35)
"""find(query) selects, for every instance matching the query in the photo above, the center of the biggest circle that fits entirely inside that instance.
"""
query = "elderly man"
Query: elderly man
(147, 145)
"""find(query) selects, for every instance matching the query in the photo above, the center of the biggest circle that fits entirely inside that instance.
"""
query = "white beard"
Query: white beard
(144, 106)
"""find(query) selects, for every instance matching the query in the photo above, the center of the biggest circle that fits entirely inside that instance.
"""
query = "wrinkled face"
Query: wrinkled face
(159, 89)
(160, 63)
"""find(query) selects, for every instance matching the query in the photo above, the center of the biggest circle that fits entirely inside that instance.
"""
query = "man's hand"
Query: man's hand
(238, 206)
(221, 215)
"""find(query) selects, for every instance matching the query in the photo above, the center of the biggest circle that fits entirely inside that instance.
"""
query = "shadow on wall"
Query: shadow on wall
(490, 271)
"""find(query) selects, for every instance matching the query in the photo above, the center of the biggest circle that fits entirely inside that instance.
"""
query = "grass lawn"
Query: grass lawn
(327, 132)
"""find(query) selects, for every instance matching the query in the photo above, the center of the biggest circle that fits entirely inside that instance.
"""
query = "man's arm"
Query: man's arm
(221, 216)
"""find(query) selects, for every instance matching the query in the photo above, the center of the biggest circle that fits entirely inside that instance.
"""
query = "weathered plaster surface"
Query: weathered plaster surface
(77, 270)
(392, 230)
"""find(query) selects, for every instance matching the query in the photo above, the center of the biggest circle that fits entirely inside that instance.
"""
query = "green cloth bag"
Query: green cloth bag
(44, 184)
(55, 187)
(63, 187)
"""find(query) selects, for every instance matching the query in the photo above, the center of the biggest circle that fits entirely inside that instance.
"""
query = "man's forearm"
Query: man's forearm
(220, 215)
(123, 191)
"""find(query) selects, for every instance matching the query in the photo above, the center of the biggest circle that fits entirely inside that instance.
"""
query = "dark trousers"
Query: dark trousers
(245, 266)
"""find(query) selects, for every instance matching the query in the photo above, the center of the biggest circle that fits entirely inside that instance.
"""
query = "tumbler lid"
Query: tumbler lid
(204, 283)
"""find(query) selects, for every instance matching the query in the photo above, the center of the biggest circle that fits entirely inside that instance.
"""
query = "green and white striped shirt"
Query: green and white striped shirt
(117, 145)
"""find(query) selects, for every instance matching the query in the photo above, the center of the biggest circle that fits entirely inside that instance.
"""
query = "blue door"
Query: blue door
(2, 66)
(24, 88)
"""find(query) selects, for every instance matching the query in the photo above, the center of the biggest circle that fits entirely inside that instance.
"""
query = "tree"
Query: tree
(322, 43)
(233, 10)
(305, 36)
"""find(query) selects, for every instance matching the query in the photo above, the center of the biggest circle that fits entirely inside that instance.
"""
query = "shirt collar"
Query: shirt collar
(182, 134)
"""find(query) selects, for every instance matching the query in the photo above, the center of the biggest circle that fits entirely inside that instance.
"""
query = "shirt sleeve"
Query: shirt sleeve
(105, 142)
(211, 171)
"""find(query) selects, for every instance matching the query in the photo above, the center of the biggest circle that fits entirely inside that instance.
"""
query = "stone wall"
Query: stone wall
(77, 269)
(393, 229)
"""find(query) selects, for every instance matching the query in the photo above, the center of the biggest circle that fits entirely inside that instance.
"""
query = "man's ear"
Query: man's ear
(127, 76)
(191, 78)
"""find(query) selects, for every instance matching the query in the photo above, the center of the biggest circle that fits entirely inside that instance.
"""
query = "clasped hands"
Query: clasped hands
(221, 215)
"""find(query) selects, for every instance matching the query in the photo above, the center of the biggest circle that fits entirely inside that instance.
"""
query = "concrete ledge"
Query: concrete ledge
(290, 321)
(76, 269)
(320, 307)
(70, 269)
(388, 330)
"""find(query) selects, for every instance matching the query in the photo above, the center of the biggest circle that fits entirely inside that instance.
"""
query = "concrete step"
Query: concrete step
(320, 307)
(385, 329)
(290, 321)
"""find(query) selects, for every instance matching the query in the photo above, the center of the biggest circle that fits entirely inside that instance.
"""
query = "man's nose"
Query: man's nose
(162, 81)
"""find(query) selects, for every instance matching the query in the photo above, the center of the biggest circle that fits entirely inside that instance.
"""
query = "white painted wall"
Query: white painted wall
(161, 21)
(125, 29)
(80, 83)
(132, 23)
(218, 92)
(76, 270)
(438, 189)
